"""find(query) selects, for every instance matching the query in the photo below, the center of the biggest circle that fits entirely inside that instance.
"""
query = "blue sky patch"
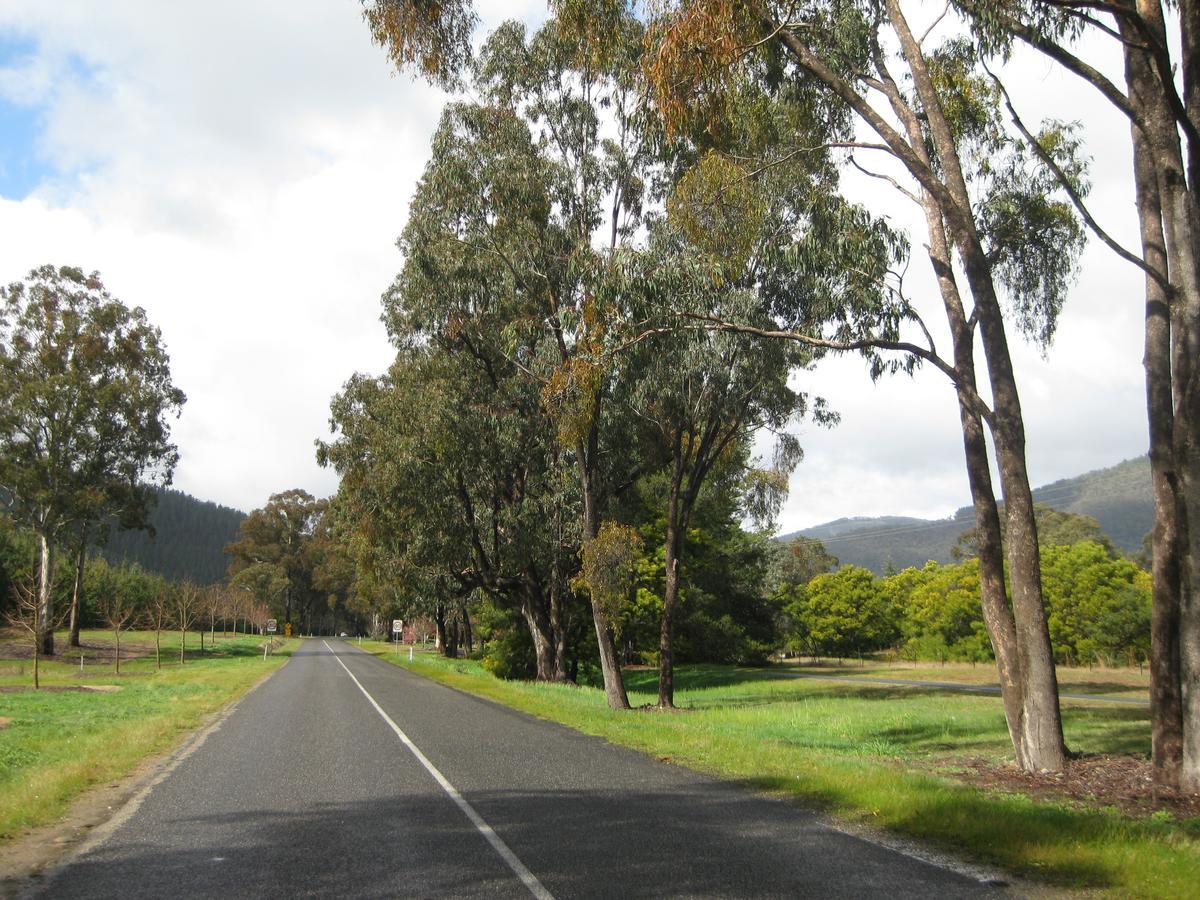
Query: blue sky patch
(22, 167)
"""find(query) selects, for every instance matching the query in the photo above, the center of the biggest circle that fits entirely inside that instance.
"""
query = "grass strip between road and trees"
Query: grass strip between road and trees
(884, 757)
(57, 742)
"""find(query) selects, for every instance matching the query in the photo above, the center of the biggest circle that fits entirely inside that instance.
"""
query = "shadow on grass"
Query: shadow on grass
(990, 828)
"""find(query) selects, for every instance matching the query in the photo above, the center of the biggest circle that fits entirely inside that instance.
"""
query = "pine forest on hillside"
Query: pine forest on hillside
(188, 540)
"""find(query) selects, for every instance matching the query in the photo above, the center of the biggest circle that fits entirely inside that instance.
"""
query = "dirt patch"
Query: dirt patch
(48, 688)
(12, 648)
(1092, 780)
(4, 721)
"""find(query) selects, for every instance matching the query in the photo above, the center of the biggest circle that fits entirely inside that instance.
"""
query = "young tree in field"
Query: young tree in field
(157, 615)
(213, 607)
(118, 608)
(187, 605)
(26, 615)
(1159, 98)
(84, 424)
(987, 204)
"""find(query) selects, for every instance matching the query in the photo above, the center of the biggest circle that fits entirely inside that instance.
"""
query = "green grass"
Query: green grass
(881, 756)
(58, 744)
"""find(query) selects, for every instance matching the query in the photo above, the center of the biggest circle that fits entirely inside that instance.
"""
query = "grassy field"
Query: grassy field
(887, 757)
(1114, 682)
(90, 727)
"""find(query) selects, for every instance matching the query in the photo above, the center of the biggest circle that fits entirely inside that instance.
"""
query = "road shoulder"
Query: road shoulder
(32, 858)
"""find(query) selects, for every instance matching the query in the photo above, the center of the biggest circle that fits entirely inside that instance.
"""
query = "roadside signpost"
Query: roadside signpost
(272, 626)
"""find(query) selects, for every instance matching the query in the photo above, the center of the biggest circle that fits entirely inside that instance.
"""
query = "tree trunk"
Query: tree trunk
(45, 614)
(1166, 702)
(439, 619)
(673, 553)
(468, 634)
(158, 647)
(1181, 228)
(76, 594)
(1042, 745)
(1041, 724)
(182, 644)
(610, 667)
(558, 631)
(117, 650)
(536, 614)
(997, 614)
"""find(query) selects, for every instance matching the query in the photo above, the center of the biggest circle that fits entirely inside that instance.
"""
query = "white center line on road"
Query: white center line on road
(527, 878)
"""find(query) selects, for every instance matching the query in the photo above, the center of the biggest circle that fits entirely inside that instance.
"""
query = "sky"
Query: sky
(241, 170)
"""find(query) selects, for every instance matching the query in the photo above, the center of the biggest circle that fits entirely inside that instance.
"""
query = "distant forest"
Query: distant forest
(191, 534)
(1118, 498)
(189, 539)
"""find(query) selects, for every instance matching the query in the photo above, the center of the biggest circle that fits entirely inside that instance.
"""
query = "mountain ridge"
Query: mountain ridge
(1118, 497)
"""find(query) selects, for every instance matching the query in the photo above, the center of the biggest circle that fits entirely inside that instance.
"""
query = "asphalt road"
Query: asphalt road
(344, 776)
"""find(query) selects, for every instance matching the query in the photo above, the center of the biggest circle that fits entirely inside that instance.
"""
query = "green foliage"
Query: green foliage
(608, 565)
(186, 538)
(432, 38)
(1098, 605)
(942, 615)
(842, 613)
(508, 649)
(88, 394)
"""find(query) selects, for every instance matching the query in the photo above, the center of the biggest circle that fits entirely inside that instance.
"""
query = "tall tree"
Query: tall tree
(275, 538)
(1011, 236)
(85, 421)
(458, 444)
(702, 395)
(1161, 99)
(519, 225)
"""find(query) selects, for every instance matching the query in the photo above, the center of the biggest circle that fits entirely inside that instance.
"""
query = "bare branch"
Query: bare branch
(889, 179)
(1067, 186)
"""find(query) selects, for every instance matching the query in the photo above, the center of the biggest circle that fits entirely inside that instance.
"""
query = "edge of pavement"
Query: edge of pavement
(32, 861)
(908, 847)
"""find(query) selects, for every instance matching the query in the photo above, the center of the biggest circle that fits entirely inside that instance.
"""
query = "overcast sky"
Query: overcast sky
(241, 170)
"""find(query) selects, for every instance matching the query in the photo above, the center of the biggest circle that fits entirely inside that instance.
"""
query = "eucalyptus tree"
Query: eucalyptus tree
(1159, 99)
(84, 423)
(701, 395)
(519, 230)
(707, 393)
(998, 229)
(449, 464)
(273, 541)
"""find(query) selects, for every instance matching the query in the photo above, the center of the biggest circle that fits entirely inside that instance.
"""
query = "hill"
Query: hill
(1118, 498)
(189, 540)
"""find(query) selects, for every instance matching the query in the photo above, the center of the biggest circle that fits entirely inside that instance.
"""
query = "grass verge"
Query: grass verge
(879, 756)
(59, 741)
